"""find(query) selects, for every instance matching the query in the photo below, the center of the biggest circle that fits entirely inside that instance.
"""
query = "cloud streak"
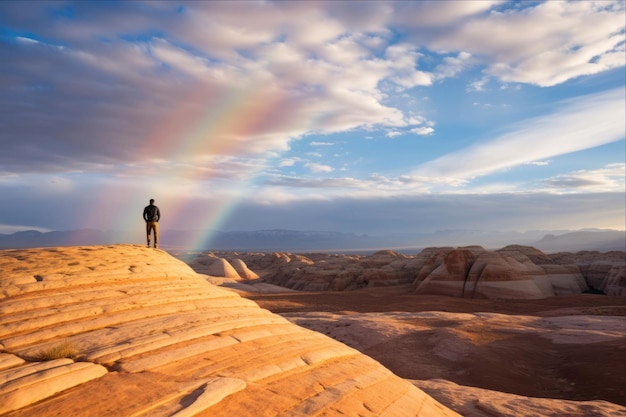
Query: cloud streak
(583, 123)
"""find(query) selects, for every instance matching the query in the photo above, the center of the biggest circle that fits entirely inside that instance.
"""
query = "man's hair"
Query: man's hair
(151, 200)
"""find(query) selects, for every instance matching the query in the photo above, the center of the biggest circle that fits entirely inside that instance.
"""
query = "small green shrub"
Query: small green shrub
(64, 350)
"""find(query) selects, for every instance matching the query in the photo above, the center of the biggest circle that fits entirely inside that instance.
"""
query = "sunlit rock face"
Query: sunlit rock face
(210, 264)
(243, 270)
(126, 330)
(514, 272)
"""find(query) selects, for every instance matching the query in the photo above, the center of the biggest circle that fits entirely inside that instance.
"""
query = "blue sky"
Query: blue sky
(365, 117)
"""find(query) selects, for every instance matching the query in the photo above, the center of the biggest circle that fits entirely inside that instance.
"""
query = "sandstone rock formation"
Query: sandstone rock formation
(216, 266)
(605, 272)
(514, 271)
(321, 272)
(148, 336)
(506, 273)
(243, 270)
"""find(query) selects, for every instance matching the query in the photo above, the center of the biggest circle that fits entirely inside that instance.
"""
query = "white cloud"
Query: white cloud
(477, 85)
(539, 163)
(26, 39)
(436, 14)
(403, 59)
(301, 187)
(423, 131)
(288, 162)
(608, 179)
(277, 75)
(302, 67)
(318, 168)
(561, 40)
(583, 123)
(451, 66)
(180, 59)
(416, 120)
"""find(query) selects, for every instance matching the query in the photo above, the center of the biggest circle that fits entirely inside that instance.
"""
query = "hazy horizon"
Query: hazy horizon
(301, 241)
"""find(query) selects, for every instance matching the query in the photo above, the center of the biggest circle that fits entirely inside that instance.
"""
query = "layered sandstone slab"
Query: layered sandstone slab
(148, 336)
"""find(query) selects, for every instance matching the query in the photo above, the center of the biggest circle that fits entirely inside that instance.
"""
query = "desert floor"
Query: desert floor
(495, 350)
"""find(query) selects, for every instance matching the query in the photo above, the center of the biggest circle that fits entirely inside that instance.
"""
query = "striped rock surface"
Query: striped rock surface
(147, 336)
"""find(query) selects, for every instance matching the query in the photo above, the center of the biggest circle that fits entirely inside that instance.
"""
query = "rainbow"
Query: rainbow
(214, 125)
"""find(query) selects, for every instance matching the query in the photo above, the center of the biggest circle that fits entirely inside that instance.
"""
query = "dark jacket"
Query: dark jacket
(151, 213)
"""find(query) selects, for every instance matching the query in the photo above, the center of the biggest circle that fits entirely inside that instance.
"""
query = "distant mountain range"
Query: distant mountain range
(321, 241)
(602, 241)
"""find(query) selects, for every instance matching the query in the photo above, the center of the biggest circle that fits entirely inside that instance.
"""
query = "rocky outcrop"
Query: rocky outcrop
(471, 272)
(445, 271)
(243, 270)
(325, 272)
(514, 271)
(510, 273)
(143, 334)
(615, 281)
(604, 272)
(222, 268)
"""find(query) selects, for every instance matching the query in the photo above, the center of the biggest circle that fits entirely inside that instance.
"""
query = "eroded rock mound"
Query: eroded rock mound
(220, 267)
(212, 265)
(605, 272)
(514, 271)
(509, 273)
(327, 272)
(146, 335)
(243, 270)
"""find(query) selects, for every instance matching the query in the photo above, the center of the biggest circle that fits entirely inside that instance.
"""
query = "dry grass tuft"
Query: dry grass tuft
(64, 350)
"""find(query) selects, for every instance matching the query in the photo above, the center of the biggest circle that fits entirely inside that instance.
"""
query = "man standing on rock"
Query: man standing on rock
(151, 215)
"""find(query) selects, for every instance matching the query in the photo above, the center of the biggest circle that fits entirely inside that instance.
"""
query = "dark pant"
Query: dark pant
(150, 226)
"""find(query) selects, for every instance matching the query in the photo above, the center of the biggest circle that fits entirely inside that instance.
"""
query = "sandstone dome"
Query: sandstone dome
(220, 267)
(243, 270)
(145, 335)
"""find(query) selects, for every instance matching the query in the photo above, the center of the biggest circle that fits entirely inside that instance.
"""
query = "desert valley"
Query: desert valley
(124, 330)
